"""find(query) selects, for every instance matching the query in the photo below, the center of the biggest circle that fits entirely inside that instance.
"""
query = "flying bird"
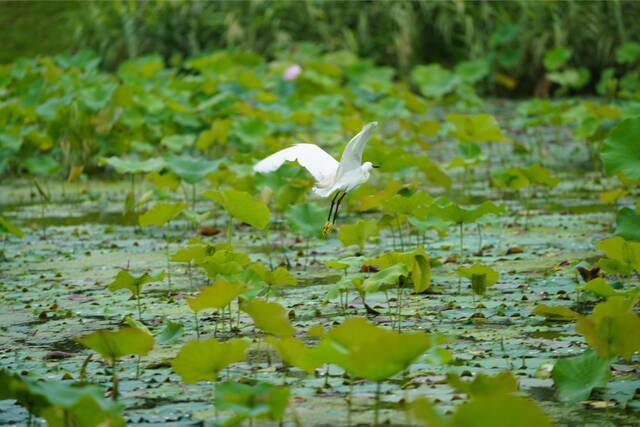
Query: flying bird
(331, 176)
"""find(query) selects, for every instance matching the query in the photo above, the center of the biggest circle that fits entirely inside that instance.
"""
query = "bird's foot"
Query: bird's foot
(328, 229)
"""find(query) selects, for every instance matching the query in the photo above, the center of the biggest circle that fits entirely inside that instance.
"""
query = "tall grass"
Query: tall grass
(391, 32)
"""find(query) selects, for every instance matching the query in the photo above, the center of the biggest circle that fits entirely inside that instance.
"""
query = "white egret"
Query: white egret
(330, 175)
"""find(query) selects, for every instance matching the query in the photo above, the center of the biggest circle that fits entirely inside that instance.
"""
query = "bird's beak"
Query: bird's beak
(375, 166)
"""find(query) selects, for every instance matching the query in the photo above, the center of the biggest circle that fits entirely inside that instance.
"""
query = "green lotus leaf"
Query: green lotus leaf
(41, 165)
(7, 227)
(192, 170)
(415, 262)
(161, 213)
(241, 206)
(251, 130)
(10, 142)
(202, 360)
(171, 332)
(270, 317)
(49, 109)
(336, 265)
(628, 224)
(293, 352)
(615, 267)
(628, 53)
(224, 262)
(278, 277)
(555, 312)
(306, 219)
(601, 287)
(141, 68)
(421, 271)
(124, 280)
(511, 178)
(491, 275)
(371, 352)
(123, 166)
(261, 400)
(434, 223)
(216, 296)
(575, 377)
(539, 175)
(475, 128)
(97, 97)
(385, 279)
(358, 233)
(433, 172)
(484, 385)
(618, 249)
(459, 215)
(556, 58)
(217, 134)
(573, 77)
(113, 345)
(60, 403)
(481, 277)
(424, 412)
(177, 143)
(472, 71)
(433, 81)
(191, 253)
(415, 205)
(621, 150)
(500, 411)
(612, 328)
(377, 200)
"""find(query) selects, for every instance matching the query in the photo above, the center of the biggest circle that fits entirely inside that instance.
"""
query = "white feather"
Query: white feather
(329, 174)
(352, 154)
(318, 162)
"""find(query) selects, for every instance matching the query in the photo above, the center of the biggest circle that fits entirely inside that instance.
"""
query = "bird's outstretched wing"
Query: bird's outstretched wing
(313, 158)
(352, 154)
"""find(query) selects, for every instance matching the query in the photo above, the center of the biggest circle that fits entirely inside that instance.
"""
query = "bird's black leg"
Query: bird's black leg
(332, 202)
(335, 213)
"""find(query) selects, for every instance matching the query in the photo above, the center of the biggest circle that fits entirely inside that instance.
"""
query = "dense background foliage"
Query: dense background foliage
(513, 36)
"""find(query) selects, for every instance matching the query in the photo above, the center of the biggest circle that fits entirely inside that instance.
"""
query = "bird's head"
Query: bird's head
(367, 166)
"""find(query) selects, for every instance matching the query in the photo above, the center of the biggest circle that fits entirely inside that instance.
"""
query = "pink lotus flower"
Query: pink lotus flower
(292, 72)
